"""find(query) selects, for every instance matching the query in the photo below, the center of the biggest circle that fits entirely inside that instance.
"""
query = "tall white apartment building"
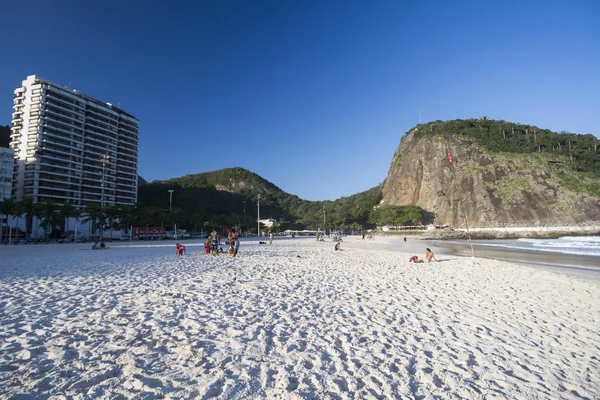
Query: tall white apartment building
(6, 172)
(70, 147)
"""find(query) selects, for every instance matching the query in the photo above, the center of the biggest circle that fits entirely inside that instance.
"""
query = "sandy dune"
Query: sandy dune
(291, 320)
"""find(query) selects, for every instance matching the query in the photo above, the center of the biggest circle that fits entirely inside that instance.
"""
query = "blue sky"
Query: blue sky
(314, 96)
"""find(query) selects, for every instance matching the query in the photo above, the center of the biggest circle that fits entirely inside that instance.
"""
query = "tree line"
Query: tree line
(581, 152)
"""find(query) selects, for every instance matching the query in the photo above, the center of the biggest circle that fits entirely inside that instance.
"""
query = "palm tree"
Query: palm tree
(68, 211)
(4, 208)
(9, 208)
(96, 216)
(49, 217)
(113, 218)
(17, 212)
(65, 212)
(29, 209)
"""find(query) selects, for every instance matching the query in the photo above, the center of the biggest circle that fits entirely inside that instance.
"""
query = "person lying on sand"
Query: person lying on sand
(429, 255)
(415, 259)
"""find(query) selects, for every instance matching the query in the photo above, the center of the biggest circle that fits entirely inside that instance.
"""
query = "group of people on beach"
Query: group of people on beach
(214, 240)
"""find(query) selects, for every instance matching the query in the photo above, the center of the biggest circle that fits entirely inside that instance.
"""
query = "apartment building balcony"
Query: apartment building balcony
(65, 126)
(133, 169)
(129, 135)
(53, 128)
(63, 96)
(16, 139)
(96, 195)
(102, 146)
(57, 185)
(130, 138)
(100, 137)
(112, 120)
(67, 109)
(50, 190)
(128, 147)
(126, 182)
(47, 155)
(54, 148)
(73, 141)
(58, 198)
(108, 132)
(124, 158)
(69, 141)
(101, 125)
(127, 154)
(95, 158)
(62, 118)
(73, 175)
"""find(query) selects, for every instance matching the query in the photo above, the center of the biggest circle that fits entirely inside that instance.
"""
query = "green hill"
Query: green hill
(217, 199)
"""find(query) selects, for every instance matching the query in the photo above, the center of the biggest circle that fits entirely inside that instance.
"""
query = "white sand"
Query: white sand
(291, 320)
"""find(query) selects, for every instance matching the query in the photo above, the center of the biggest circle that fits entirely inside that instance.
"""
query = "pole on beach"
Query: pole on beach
(462, 204)
(324, 229)
(258, 219)
(170, 198)
(105, 158)
(245, 218)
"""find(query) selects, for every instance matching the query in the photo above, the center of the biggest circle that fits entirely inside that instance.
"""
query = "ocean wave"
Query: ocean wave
(575, 245)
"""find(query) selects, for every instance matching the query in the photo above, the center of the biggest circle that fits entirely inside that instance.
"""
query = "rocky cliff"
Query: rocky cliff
(489, 189)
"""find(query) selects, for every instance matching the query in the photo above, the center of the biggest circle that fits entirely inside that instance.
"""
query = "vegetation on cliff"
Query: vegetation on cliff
(580, 152)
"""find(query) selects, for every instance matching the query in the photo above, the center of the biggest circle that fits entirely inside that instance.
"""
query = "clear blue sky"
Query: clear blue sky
(314, 96)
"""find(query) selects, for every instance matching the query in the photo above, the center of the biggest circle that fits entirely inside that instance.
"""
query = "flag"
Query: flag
(449, 158)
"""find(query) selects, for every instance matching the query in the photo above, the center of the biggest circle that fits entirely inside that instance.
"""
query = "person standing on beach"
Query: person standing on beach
(214, 242)
(270, 237)
(234, 244)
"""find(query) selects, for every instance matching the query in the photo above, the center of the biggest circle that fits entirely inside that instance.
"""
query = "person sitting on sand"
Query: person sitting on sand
(415, 259)
(337, 247)
(102, 245)
(429, 255)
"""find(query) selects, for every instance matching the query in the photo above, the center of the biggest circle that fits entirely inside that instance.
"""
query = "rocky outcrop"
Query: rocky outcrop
(486, 189)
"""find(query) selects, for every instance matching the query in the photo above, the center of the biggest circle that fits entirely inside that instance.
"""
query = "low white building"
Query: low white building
(269, 223)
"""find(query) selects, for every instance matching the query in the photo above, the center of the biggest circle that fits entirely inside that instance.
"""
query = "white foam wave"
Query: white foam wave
(576, 245)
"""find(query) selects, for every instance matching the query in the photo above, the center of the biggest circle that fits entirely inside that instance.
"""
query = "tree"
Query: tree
(29, 209)
(96, 217)
(49, 217)
(17, 212)
(7, 208)
(68, 211)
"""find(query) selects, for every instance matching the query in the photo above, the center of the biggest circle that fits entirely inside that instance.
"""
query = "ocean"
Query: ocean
(574, 255)
(574, 245)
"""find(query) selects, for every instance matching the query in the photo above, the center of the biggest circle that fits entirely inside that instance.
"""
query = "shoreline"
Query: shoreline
(570, 264)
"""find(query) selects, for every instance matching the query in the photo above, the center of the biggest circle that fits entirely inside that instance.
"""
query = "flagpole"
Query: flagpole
(462, 204)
